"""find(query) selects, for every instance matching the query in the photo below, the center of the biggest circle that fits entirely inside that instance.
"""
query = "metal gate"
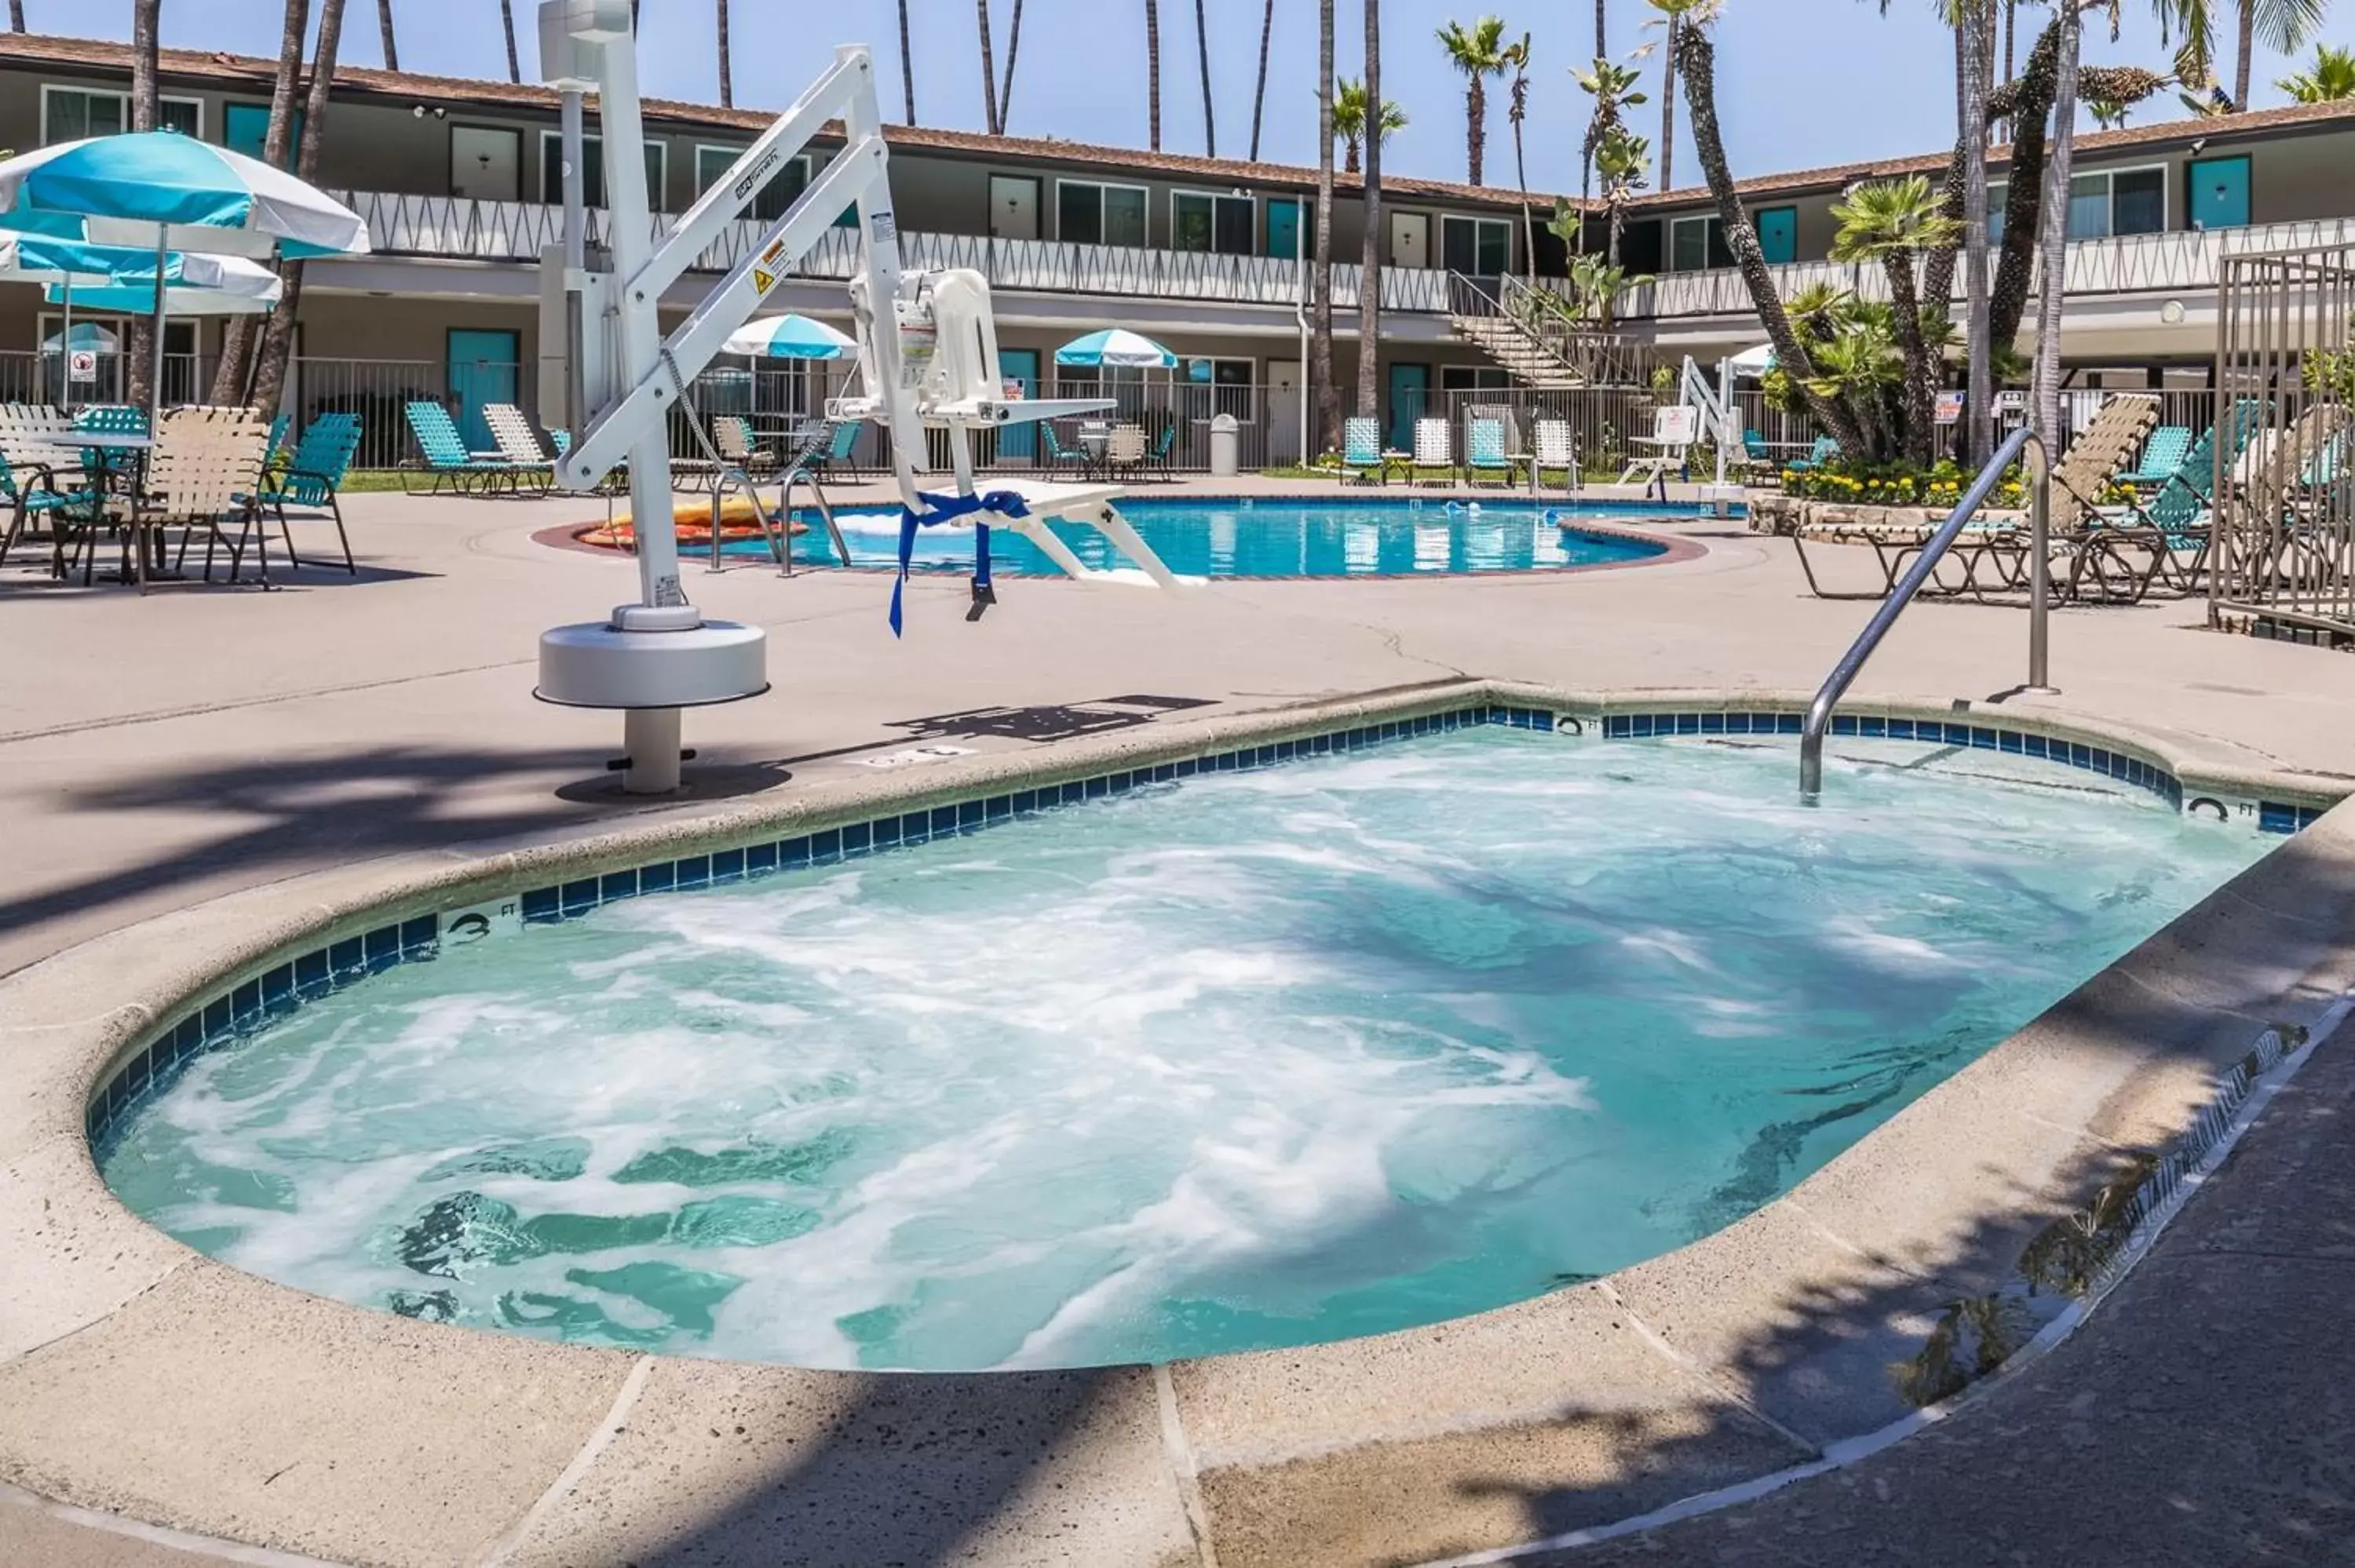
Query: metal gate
(2281, 495)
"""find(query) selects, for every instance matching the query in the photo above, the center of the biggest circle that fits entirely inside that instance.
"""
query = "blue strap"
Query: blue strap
(943, 509)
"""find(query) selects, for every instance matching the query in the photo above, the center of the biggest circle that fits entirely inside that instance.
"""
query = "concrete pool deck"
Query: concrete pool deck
(206, 745)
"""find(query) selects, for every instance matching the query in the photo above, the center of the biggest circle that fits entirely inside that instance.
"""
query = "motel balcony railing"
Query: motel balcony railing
(462, 228)
(2130, 264)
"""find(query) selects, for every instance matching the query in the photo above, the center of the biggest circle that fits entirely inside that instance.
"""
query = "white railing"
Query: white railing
(462, 228)
(2140, 263)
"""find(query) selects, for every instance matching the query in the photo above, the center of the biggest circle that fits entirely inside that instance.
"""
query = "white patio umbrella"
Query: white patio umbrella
(1752, 364)
(790, 338)
(166, 192)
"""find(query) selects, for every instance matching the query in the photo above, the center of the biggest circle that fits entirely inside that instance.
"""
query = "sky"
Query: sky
(1802, 83)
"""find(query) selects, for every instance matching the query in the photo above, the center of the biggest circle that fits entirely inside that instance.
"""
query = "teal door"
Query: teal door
(1019, 441)
(2220, 192)
(1281, 238)
(1778, 234)
(483, 368)
(1410, 396)
(245, 127)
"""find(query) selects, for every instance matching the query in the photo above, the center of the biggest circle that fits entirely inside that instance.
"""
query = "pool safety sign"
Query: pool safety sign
(1950, 408)
(81, 365)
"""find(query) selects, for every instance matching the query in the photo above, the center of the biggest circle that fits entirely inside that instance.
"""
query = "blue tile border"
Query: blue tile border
(237, 1011)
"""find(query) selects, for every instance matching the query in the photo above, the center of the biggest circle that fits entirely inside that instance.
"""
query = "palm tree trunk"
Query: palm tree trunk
(139, 343)
(1669, 110)
(2024, 199)
(1153, 73)
(1602, 27)
(507, 25)
(2248, 57)
(237, 332)
(392, 49)
(278, 337)
(1920, 393)
(1369, 282)
(1697, 57)
(727, 84)
(1013, 49)
(2046, 396)
(906, 68)
(1259, 95)
(16, 16)
(1320, 297)
(988, 70)
(1351, 148)
(1476, 124)
(1973, 34)
(1202, 42)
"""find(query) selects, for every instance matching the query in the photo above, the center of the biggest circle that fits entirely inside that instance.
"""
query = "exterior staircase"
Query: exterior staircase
(1503, 320)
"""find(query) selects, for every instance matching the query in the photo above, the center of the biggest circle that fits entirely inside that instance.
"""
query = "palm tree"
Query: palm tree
(1349, 121)
(1669, 108)
(1013, 48)
(1479, 53)
(237, 332)
(1259, 94)
(1153, 72)
(1613, 88)
(1202, 42)
(2282, 25)
(1517, 110)
(2329, 79)
(2045, 387)
(906, 68)
(278, 336)
(1893, 222)
(1622, 159)
(392, 50)
(1695, 57)
(514, 66)
(988, 70)
(1602, 24)
(727, 85)
(1974, 23)
(1329, 394)
(16, 16)
(139, 343)
(1370, 278)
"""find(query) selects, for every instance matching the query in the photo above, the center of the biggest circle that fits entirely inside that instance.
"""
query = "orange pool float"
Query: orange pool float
(737, 520)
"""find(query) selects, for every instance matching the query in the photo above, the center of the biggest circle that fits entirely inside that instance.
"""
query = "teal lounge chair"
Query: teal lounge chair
(2184, 507)
(446, 457)
(1825, 450)
(1058, 456)
(2168, 445)
(1157, 458)
(1484, 460)
(31, 490)
(1361, 452)
(314, 474)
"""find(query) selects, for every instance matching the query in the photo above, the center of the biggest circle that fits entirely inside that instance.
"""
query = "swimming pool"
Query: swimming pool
(1240, 1060)
(1345, 537)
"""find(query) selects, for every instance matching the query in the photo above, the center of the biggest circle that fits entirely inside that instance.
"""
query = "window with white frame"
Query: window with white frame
(592, 170)
(70, 114)
(1208, 221)
(1214, 387)
(1697, 244)
(791, 178)
(2102, 203)
(1475, 247)
(1088, 213)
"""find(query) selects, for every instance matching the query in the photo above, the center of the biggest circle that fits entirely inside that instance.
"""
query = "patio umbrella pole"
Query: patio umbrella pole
(155, 405)
(64, 347)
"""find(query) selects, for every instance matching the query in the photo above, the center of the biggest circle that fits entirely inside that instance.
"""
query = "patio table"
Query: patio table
(121, 461)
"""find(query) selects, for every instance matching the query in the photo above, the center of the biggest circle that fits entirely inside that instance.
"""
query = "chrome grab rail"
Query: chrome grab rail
(1836, 685)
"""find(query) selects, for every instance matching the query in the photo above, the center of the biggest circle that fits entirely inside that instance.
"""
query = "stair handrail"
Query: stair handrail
(1836, 685)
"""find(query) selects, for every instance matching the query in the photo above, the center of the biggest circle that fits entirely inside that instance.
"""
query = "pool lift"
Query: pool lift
(928, 357)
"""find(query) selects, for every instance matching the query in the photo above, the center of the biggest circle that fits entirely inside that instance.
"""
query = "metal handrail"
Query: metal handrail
(1835, 686)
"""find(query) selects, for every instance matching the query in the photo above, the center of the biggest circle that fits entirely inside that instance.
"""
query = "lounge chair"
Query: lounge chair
(446, 457)
(1361, 452)
(518, 443)
(1825, 450)
(1555, 451)
(2162, 457)
(1160, 458)
(1058, 456)
(312, 475)
(1435, 453)
(732, 435)
(1485, 459)
(2279, 482)
(2181, 511)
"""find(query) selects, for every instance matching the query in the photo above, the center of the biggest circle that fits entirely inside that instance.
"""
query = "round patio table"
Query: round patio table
(122, 459)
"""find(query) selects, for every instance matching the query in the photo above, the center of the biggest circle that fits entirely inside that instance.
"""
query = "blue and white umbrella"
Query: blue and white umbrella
(1116, 346)
(790, 338)
(154, 189)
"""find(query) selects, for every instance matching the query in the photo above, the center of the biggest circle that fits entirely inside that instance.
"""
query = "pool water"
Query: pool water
(1279, 538)
(1248, 1060)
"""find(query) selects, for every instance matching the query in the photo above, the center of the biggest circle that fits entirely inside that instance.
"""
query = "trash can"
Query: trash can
(1226, 441)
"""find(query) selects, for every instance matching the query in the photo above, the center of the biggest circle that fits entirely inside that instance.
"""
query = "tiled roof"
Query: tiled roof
(250, 73)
